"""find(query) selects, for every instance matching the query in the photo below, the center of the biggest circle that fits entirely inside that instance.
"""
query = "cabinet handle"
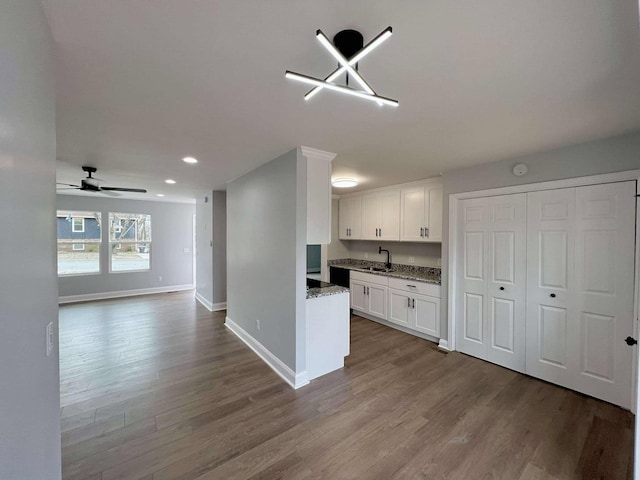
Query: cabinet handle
(408, 302)
(349, 232)
(553, 295)
(364, 290)
(380, 232)
(412, 286)
(426, 232)
(414, 303)
(421, 232)
(501, 288)
(367, 290)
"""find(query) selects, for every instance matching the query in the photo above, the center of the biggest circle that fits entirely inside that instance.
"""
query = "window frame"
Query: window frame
(73, 224)
(83, 242)
(117, 244)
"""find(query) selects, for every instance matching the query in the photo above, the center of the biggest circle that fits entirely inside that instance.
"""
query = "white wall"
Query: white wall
(211, 249)
(266, 256)
(29, 382)
(614, 154)
(171, 234)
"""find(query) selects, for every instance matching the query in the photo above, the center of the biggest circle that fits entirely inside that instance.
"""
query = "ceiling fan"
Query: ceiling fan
(91, 184)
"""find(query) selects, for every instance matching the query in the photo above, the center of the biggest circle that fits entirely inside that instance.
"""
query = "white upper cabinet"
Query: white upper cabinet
(410, 212)
(318, 195)
(381, 216)
(350, 218)
(421, 213)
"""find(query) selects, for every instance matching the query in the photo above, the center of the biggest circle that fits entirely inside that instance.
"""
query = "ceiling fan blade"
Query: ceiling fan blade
(122, 189)
(110, 193)
(68, 184)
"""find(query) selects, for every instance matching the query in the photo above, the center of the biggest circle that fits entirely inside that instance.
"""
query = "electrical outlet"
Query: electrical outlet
(49, 338)
(366, 255)
(159, 278)
(258, 324)
(411, 260)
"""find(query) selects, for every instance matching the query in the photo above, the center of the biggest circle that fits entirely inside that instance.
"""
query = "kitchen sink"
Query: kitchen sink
(378, 269)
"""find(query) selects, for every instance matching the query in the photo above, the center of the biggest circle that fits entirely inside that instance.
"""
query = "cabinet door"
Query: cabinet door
(377, 300)
(389, 216)
(434, 213)
(426, 314)
(357, 292)
(371, 216)
(412, 213)
(355, 226)
(344, 218)
(399, 307)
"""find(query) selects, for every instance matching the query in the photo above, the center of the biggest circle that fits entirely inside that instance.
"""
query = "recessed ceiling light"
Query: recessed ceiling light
(344, 182)
(159, 194)
(189, 160)
(169, 181)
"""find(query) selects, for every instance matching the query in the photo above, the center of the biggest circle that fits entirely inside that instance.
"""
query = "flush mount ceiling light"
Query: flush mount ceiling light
(347, 49)
(159, 194)
(189, 160)
(344, 182)
(169, 181)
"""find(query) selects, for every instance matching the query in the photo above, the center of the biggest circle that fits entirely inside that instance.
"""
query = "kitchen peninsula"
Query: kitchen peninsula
(328, 321)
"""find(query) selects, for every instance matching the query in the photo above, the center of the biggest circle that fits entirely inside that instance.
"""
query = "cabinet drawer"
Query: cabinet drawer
(412, 286)
(369, 278)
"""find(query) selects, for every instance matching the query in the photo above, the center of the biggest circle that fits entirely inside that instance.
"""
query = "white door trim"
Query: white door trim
(454, 198)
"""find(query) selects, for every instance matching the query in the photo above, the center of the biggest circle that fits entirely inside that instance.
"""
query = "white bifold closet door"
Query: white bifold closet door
(493, 272)
(580, 275)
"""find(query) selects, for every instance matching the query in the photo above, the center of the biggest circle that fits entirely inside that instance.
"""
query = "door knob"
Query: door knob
(630, 341)
(553, 295)
(501, 288)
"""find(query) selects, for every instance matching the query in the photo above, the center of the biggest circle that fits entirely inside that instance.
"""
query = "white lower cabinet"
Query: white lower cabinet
(369, 296)
(413, 305)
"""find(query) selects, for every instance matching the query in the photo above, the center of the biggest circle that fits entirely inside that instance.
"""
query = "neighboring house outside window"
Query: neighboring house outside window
(79, 240)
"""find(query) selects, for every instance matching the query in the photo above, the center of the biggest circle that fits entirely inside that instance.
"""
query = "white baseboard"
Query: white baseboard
(444, 345)
(122, 293)
(212, 307)
(288, 375)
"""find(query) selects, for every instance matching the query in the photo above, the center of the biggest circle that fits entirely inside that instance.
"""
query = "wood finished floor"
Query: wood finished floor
(156, 388)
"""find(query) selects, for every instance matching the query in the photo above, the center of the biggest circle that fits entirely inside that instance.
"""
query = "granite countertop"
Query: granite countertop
(317, 288)
(407, 272)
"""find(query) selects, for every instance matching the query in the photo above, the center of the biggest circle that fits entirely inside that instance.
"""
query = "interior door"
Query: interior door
(471, 297)
(550, 272)
(580, 298)
(506, 280)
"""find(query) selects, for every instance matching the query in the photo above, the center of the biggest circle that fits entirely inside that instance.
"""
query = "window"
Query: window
(77, 224)
(129, 242)
(79, 240)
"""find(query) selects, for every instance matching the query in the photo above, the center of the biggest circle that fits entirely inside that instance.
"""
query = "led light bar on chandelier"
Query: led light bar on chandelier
(345, 42)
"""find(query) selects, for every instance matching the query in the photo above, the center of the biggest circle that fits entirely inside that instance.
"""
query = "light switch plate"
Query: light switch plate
(49, 338)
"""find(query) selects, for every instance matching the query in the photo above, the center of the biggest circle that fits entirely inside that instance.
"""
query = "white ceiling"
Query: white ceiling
(143, 83)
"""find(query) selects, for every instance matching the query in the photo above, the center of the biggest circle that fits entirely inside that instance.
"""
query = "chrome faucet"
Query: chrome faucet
(388, 264)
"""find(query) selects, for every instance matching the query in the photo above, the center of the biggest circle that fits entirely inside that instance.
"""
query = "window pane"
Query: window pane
(128, 256)
(79, 237)
(131, 227)
(78, 258)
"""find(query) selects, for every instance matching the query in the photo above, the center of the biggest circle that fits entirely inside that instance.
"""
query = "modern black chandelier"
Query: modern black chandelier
(347, 48)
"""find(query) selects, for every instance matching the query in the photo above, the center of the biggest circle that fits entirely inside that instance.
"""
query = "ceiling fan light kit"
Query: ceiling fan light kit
(347, 49)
